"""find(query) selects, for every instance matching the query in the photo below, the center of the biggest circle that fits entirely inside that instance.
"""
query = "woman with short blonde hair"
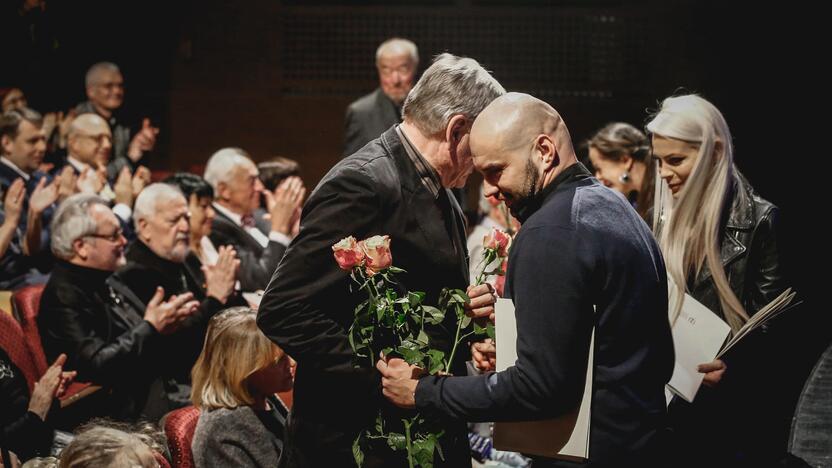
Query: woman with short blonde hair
(234, 382)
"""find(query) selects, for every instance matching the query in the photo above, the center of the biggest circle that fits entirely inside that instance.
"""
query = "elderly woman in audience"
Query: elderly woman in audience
(234, 384)
(719, 242)
(620, 156)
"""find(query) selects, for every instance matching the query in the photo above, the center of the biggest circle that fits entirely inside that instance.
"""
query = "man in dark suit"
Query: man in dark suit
(581, 245)
(159, 258)
(368, 117)
(109, 336)
(237, 190)
(22, 149)
(397, 185)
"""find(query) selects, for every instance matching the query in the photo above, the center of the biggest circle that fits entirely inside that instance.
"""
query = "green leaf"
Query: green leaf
(395, 270)
(416, 298)
(466, 321)
(492, 333)
(357, 453)
(396, 441)
(437, 361)
(435, 316)
(411, 356)
(423, 338)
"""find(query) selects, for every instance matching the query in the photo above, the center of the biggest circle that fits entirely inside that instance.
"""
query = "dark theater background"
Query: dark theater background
(274, 77)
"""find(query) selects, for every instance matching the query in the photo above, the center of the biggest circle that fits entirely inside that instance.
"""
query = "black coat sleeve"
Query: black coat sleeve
(69, 327)
(307, 307)
(549, 282)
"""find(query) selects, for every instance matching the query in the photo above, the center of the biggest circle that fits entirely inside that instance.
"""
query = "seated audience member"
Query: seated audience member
(237, 188)
(273, 173)
(109, 336)
(22, 149)
(107, 447)
(24, 428)
(105, 93)
(158, 260)
(234, 384)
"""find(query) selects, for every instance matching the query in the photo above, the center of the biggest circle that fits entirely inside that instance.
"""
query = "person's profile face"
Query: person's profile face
(676, 161)
(396, 74)
(202, 215)
(105, 247)
(14, 99)
(510, 176)
(610, 171)
(28, 148)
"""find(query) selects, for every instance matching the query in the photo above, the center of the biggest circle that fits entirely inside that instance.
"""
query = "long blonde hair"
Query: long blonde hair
(234, 349)
(688, 227)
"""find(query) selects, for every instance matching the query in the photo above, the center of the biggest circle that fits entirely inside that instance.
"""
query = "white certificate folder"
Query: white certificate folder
(698, 335)
(565, 437)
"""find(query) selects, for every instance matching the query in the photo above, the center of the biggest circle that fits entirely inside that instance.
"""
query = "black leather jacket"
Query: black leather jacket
(749, 252)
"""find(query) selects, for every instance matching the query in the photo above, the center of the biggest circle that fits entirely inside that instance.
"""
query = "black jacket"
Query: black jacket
(584, 246)
(308, 306)
(99, 324)
(257, 264)
(21, 431)
(145, 271)
(728, 417)
(367, 118)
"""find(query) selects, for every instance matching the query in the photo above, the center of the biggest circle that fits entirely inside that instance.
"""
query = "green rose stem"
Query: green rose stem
(409, 442)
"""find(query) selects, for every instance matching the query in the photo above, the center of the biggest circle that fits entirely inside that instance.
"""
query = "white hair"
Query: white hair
(398, 46)
(450, 86)
(221, 165)
(687, 228)
(95, 70)
(80, 123)
(149, 199)
(72, 221)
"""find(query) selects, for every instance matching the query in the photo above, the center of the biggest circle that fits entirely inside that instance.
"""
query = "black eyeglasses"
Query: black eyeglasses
(114, 237)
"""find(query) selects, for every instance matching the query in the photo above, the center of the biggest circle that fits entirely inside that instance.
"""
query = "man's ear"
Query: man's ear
(6, 143)
(547, 152)
(457, 127)
(141, 229)
(81, 248)
(222, 191)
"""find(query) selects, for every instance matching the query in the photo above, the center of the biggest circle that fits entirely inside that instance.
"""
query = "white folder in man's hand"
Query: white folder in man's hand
(565, 437)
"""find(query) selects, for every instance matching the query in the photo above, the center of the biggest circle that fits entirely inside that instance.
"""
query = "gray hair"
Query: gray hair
(10, 121)
(150, 198)
(220, 167)
(94, 71)
(397, 46)
(104, 446)
(450, 86)
(73, 221)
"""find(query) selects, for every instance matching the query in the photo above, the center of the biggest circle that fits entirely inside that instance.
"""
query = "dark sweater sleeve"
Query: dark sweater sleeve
(549, 281)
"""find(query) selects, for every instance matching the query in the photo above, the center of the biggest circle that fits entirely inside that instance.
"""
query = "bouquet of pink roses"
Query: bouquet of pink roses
(392, 321)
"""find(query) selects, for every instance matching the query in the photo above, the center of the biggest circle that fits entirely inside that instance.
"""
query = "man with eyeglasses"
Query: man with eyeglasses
(367, 118)
(88, 152)
(109, 336)
(105, 93)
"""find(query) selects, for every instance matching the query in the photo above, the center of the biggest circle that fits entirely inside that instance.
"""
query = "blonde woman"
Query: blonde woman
(241, 422)
(718, 240)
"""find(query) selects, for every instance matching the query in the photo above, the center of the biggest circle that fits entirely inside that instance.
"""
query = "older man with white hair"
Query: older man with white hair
(109, 336)
(398, 185)
(105, 91)
(237, 189)
(368, 117)
(161, 257)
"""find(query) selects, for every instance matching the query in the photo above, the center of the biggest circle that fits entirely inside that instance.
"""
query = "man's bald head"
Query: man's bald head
(514, 121)
(90, 139)
(87, 124)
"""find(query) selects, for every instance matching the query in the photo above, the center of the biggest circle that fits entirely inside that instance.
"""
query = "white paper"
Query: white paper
(564, 437)
(698, 335)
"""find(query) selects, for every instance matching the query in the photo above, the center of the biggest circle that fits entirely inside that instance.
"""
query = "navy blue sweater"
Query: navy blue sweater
(582, 245)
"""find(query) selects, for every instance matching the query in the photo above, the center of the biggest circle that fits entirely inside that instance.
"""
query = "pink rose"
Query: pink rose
(377, 252)
(348, 253)
(497, 240)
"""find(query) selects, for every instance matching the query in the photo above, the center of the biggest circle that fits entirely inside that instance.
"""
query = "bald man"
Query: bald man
(581, 245)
